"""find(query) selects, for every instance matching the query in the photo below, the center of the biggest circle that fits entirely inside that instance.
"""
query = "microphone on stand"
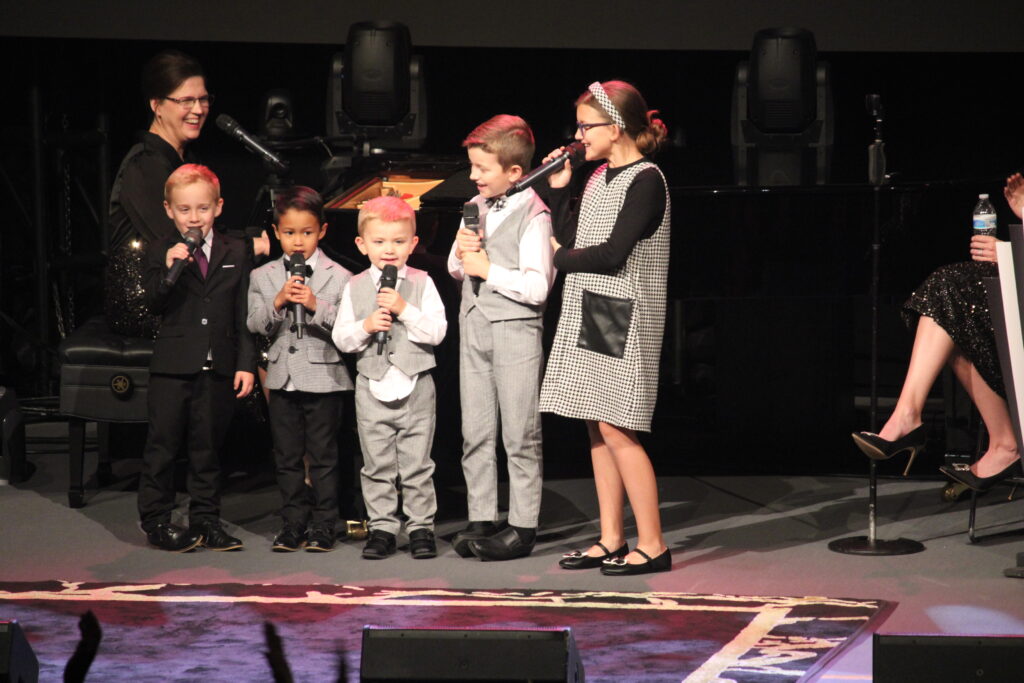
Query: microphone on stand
(297, 266)
(193, 238)
(471, 219)
(388, 278)
(231, 127)
(574, 152)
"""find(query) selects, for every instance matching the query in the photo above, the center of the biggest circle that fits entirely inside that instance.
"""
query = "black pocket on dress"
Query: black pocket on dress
(605, 324)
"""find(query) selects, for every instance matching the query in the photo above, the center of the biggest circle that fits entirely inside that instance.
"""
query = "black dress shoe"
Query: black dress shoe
(507, 544)
(320, 538)
(877, 448)
(291, 538)
(962, 473)
(474, 531)
(619, 566)
(173, 538)
(578, 559)
(379, 545)
(422, 545)
(214, 536)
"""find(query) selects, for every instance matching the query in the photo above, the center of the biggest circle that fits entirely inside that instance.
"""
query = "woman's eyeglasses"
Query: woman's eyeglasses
(584, 127)
(188, 102)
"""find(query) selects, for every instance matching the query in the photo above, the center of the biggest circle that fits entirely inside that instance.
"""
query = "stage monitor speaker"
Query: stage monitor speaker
(391, 654)
(18, 663)
(905, 658)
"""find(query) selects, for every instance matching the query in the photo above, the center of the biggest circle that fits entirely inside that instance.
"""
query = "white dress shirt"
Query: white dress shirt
(425, 324)
(532, 281)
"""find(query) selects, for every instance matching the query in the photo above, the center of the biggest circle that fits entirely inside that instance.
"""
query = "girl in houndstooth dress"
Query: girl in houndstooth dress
(603, 366)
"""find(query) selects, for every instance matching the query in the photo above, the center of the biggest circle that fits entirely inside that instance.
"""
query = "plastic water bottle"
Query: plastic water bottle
(984, 217)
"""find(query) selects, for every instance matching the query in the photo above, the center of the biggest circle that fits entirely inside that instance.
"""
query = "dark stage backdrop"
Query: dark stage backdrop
(767, 335)
(848, 25)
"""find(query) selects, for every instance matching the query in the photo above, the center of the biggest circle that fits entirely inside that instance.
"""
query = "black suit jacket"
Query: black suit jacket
(199, 315)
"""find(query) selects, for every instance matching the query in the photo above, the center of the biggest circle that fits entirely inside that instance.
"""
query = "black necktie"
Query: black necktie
(496, 203)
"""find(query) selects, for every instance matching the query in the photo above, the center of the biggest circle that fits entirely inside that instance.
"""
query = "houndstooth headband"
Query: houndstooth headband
(597, 90)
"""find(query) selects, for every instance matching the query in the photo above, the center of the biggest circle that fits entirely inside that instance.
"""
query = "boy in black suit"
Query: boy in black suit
(203, 356)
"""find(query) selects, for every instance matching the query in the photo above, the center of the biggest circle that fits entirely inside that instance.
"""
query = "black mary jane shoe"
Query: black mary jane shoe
(578, 559)
(962, 473)
(619, 566)
(877, 448)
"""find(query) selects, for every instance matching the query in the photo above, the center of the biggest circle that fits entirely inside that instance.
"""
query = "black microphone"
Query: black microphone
(388, 278)
(574, 152)
(193, 238)
(471, 219)
(297, 266)
(231, 127)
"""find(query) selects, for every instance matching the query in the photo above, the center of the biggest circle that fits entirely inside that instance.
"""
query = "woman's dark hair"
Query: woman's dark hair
(642, 125)
(299, 198)
(165, 72)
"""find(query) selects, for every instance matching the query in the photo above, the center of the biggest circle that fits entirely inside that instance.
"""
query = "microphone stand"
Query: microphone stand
(871, 544)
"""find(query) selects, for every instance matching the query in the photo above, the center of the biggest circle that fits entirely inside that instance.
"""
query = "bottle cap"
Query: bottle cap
(982, 196)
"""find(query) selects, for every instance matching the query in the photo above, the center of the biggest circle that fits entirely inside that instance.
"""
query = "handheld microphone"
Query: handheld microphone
(193, 238)
(574, 152)
(297, 266)
(471, 219)
(388, 278)
(231, 127)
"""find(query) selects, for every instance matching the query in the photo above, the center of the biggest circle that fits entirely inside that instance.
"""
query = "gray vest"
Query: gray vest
(503, 250)
(410, 357)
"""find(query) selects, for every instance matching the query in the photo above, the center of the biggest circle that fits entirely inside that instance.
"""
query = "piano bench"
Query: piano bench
(104, 378)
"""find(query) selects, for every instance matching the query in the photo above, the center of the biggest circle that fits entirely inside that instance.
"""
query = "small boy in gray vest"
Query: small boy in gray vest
(393, 330)
(506, 269)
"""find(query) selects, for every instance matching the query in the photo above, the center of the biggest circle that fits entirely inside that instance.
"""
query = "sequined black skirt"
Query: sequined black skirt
(124, 299)
(955, 297)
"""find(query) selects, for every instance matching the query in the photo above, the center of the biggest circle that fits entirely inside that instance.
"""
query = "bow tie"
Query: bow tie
(496, 203)
(288, 267)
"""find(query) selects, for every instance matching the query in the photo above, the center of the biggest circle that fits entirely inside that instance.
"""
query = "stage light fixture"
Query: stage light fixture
(375, 90)
(278, 114)
(782, 119)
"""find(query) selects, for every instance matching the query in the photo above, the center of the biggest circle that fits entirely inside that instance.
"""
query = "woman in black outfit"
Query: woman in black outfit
(174, 86)
(954, 326)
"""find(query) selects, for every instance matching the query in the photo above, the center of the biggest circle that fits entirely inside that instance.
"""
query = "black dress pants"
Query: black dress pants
(305, 423)
(195, 410)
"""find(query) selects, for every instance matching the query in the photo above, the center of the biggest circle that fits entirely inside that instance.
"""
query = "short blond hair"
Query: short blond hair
(187, 174)
(388, 210)
(507, 137)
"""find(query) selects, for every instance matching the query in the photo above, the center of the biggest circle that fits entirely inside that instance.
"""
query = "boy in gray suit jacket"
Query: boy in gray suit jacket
(506, 271)
(295, 305)
(393, 328)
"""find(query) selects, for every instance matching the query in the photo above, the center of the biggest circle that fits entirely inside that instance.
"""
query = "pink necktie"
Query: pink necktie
(200, 257)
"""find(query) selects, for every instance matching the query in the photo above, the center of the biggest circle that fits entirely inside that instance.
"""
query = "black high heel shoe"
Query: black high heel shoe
(963, 474)
(578, 559)
(877, 448)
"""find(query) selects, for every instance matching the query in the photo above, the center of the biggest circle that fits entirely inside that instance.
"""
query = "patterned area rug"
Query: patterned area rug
(215, 632)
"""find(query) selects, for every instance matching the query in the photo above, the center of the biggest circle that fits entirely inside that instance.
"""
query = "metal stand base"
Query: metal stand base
(862, 545)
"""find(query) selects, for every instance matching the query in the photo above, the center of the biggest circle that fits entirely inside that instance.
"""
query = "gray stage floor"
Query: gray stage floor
(738, 535)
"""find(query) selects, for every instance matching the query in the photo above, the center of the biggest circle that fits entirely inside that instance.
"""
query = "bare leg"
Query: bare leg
(610, 493)
(1002, 442)
(637, 475)
(932, 348)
